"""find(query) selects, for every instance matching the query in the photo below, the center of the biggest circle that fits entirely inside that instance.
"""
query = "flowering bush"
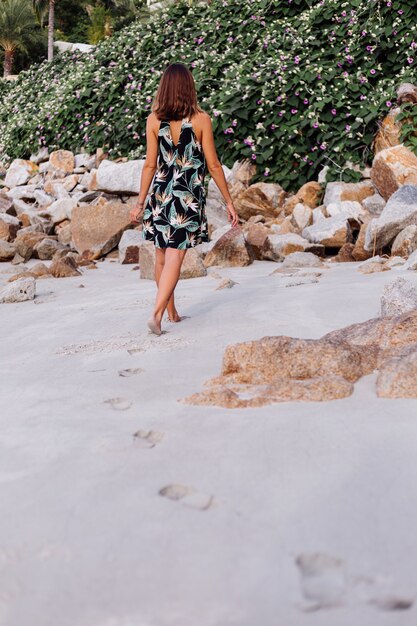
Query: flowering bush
(293, 85)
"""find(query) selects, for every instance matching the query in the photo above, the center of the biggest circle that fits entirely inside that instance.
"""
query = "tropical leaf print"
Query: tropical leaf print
(175, 213)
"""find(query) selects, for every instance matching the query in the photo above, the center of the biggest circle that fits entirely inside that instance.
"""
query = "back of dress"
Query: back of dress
(174, 215)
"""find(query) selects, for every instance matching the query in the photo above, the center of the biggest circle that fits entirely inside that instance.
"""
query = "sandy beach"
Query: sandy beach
(87, 538)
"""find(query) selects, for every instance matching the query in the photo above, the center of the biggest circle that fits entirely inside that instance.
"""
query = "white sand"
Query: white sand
(85, 537)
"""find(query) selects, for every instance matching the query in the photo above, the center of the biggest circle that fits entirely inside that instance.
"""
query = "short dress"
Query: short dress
(175, 213)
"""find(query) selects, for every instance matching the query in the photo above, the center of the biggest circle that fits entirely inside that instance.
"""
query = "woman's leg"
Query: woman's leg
(159, 266)
(167, 282)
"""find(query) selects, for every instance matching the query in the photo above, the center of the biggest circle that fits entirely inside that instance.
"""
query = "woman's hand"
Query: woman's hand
(136, 211)
(231, 214)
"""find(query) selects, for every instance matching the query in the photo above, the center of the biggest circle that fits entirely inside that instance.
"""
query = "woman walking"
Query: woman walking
(179, 149)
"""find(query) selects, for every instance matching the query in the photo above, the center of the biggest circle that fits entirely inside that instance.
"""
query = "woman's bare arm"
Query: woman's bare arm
(215, 167)
(149, 167)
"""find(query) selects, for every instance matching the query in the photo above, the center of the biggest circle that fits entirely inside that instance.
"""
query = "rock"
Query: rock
(273, 369)
(302, 259)
(119, 177)
(216, 214)
(392, 168)
(18, 290)
(398, 296)
(64, 232)
(345, 254)
(301, 216)
(85, 160)
(331, 232)
(399, 212)
(374, 204)
(20, 172)
(411, 263)
(255, 235)
(230, 250)
(397, 377)
(260, 199)
(338, 192)
(64, 267)
(97, 229)
(9, 225)
(346, 208)
(39, 270)
(56, 189)
(129, 245)
(61, 162)
(192, 265)
(278, 246)
(389, 132)
(43, 199)
(7, 250)
(40, 156)
(359, 253)
(46, 248)
(284, 227)
(59, 210)
(25, 192)
(373, 264)
(318, 213)
(405, 242)
(395, 261)
(309, 194)
(6, 203)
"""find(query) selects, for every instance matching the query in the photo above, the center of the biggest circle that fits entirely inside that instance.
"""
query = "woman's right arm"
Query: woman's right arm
(215, 167)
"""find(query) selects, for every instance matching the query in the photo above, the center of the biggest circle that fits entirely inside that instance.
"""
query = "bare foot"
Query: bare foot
(154, 325)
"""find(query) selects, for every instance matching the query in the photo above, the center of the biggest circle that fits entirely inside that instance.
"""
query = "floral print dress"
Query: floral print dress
(174, 215)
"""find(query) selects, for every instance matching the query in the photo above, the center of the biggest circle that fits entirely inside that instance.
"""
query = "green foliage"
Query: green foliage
(292, 85)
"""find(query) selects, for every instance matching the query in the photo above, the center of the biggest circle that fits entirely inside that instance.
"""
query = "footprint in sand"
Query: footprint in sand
(147, 438)
(188, 496)
(326, 583)
(118, 404)
(131, 371)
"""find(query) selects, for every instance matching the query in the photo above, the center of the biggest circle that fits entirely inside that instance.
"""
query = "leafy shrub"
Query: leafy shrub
(293, 85)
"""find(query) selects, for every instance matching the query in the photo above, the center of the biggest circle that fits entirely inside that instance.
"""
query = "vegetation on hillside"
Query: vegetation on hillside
(293, 85)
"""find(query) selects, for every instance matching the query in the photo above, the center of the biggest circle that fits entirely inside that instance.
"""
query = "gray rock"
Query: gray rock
(129, 245)
(59, 210)
(46, 248)
(405, 242)
(398, 296)
(19, 290)
(374, 204)
(399, 212)
(7, 250)
(395, 261)
(329, 231)
(302, 259)
(40, 156)
(346, 208)
(19, 172)
(411, 263)
(42, 198)
(122, 177)
(22, 192)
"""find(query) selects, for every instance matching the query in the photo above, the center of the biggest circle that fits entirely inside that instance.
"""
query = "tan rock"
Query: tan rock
(260, 199)
(373, 266)
(331, 232)
(405, 242)
(97, 229)
(392, 168)
(345, 254)
(309, 194)
(301, 216)
(278, 246)
(63, 268)
(230, 250)
(389, 132)
(192, 265)
(19, 172)
(397, 377)
(62, 162)
(337, 192)
(7, 250)
(255, 235)
(9, 225)
(359, 253)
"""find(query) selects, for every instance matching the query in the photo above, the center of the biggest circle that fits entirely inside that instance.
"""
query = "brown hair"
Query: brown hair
(176, 97)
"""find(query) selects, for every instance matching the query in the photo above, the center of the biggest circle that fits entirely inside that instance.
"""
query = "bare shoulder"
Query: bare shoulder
(202, 120)
(152, 122)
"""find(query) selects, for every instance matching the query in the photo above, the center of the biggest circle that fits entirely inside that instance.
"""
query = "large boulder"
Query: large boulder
(337, 192)
(192, 265)
(230, 250)
(260, 199)
(331, 232)
(302, 259)
(7, 250)
(61, 162)
(278, 246)
(359, 253)
(405, 242)
(121, 177)
(19, 172)
(9, 225)
(59, 210)
(255, 235)
(397, 377)
(392, 168)
(399, 212)
(97, 229)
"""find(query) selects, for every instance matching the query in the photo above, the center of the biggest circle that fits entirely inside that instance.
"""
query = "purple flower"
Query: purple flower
(294, 111)
(253, 157)
(410, 60)
(388, 103)
(348, 127)
(372, 71)
(273, 127)
(305, 101)
(315, 125)
(296, 60)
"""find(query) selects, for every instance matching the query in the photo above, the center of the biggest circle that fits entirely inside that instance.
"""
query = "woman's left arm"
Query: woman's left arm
(149, 167)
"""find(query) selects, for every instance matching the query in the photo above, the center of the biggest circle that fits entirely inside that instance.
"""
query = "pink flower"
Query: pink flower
(294, 111)
(253, 157)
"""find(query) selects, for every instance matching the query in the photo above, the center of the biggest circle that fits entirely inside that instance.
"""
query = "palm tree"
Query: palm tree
(17, 29)
(41, 8)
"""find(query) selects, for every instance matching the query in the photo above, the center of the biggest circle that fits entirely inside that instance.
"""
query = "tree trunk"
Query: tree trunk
(51, 28)
(8, 62)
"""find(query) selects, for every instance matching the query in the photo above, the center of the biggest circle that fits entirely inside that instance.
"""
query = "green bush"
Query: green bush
(293, 85)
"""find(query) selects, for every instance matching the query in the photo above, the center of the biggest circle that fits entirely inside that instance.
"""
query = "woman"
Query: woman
(180, 147)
